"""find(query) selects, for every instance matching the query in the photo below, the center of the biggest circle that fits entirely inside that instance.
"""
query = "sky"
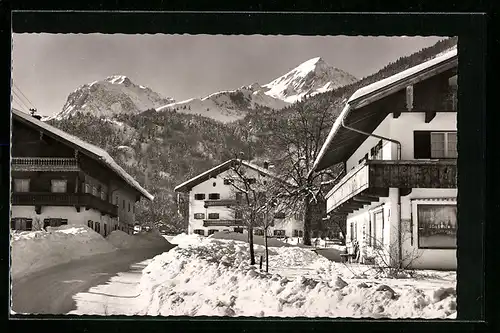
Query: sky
(46, 68)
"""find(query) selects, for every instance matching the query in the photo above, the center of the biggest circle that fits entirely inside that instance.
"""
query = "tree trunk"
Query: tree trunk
(307, 222)
(267, 253)
(250, 243)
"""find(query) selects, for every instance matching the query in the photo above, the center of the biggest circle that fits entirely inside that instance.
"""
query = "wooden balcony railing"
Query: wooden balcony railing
(44, 164)
(222, 223)
(223, 202)
(64, 199)
(372, 178)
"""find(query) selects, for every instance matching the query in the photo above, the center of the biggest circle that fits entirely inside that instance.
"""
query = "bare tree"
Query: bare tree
(296, 141)
(259, 201)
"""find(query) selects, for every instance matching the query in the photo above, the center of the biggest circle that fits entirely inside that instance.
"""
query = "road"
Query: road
(52, 290)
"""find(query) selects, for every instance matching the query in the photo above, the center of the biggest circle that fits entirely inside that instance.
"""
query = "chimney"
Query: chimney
(33, 111)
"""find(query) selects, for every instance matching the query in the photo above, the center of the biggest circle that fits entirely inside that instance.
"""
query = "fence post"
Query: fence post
(260, 264)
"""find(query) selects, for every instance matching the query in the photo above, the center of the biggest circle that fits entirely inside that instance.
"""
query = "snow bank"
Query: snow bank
(35, 250)
(185, 239)
(123, 240)
(213, 278)
(258, 240)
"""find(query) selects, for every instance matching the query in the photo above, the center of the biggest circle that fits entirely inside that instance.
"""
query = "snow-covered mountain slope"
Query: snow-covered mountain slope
(309, 78)
(113, 95)
(226, 106)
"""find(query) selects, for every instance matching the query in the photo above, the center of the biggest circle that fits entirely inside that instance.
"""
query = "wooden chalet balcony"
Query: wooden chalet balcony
(222, 223)
(223, 202)
(44, 164)
(39, 199)
(372, 179)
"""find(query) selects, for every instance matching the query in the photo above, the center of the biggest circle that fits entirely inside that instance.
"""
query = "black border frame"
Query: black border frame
(472, 200)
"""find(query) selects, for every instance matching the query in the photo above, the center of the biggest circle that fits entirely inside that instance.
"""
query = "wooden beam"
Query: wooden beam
(366, 197)
(429, 115)
(362, 200)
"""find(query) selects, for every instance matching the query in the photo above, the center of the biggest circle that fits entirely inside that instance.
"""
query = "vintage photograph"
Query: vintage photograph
(234, 175)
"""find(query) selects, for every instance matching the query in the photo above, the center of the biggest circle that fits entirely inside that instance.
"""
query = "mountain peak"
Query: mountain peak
(118, 79)
(309, 78)
(113, 95)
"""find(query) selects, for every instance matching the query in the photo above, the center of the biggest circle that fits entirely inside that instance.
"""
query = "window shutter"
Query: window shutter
(422, 144)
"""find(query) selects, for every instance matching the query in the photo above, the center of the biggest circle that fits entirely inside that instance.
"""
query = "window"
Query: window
(301, 233)
(199, 196)
(54, 222)
(21, 185)
(279, 215)
(376, 151)
(214, 196)
(199, 216)
(87, 188)
(58, 185)
(21, 223)
(227, 181)
(239, 196)
(258, 232)
(199, 232)
(90, 224)
(105, 229)
(238, 215)
(437, 226)
(214, 184)
(279, 233)
(213, 231)
(428, 144)
(213, 216)
(376, 238)
(98, 227)
(129, 206)
(94, 191)
(295, 233)
(238, 230)
(251, 180)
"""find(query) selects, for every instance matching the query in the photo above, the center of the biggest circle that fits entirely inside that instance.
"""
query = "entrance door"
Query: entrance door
(378, 228)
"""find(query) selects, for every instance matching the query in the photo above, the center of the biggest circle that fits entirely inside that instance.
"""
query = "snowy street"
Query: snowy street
(51, 290)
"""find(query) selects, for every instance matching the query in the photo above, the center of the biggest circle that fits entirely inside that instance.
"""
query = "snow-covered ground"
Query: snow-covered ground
(35, 250)
(122, 240)
(207, 276)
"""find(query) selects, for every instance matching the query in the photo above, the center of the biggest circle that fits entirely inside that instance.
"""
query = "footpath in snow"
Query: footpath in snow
(212, 277)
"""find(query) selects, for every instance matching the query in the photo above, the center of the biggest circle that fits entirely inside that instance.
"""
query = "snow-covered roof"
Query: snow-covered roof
(375, 91)
(184, 187)
(401, 76)
(93, 151)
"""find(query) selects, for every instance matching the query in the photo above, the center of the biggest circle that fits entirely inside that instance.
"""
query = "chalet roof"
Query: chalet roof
(187, 185)
(341, 141)
(88, 149)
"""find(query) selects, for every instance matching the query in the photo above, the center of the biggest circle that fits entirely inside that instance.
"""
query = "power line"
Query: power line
(19, 100)
(19, 105)
(23, 94)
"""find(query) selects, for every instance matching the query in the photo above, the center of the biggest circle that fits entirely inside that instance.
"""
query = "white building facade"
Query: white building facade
(213, 203)
(398, 141)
